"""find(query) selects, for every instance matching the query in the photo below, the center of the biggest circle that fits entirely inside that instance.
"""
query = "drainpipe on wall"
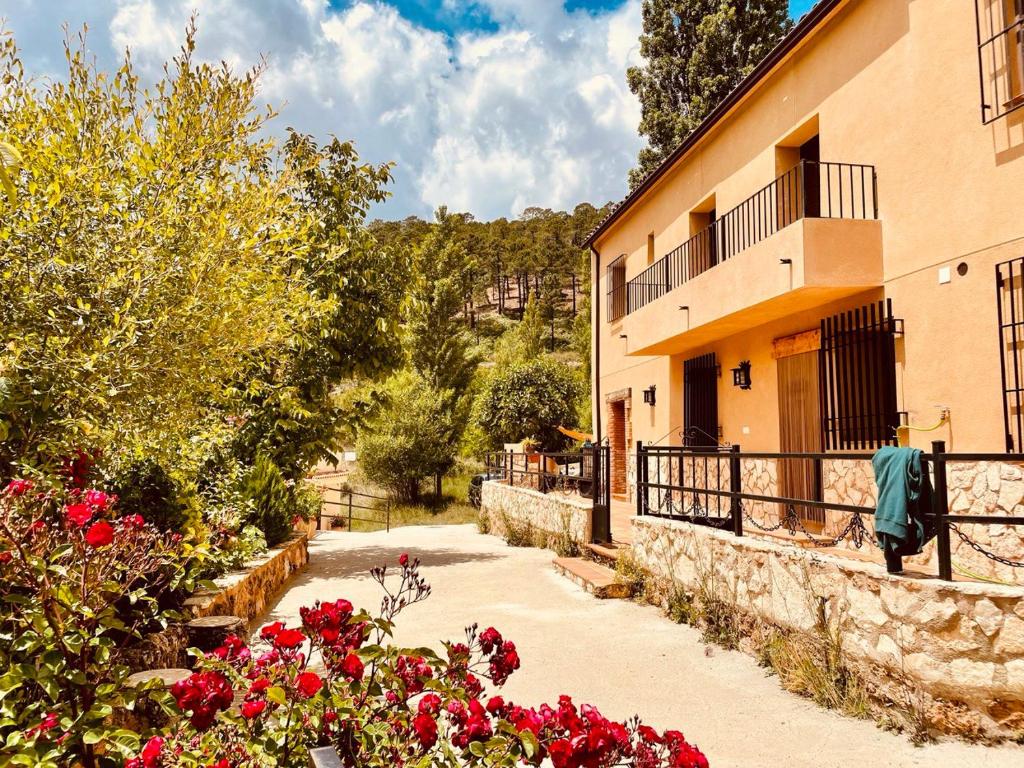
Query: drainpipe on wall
(596, 372)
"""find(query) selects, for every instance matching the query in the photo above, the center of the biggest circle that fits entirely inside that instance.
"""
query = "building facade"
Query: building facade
(833, 260)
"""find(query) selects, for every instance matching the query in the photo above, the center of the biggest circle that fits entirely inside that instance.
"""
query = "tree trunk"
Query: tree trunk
(437, 486)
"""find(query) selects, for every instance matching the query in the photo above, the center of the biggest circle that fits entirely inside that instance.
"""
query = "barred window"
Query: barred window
(617, 289)
(857, 362)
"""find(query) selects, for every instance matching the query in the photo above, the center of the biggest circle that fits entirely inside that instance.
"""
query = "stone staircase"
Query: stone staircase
(596, 572)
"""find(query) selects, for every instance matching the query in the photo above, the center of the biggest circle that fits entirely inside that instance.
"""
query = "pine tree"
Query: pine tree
(695, 52)
(438, 342)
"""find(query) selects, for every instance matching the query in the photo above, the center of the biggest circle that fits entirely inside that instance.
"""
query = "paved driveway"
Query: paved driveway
(624, 658)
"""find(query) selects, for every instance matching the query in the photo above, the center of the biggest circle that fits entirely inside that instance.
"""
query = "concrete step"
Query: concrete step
(606, 554)
(598, 580)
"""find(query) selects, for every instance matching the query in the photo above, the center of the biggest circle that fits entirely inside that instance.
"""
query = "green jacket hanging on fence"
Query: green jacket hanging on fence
(904, 494)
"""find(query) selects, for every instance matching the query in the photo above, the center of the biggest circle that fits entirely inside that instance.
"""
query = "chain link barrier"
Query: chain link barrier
(981, 550)
(854, 529)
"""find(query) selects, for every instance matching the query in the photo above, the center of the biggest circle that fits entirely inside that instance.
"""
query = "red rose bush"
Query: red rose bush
(79, 584)
(336, 681)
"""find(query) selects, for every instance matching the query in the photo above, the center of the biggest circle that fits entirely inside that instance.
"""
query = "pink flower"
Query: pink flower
(308, 684)
(430, 704)
(78, 514)
(99, 534)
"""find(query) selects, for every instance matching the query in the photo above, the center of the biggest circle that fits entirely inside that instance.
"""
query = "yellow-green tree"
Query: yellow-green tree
(147, 254)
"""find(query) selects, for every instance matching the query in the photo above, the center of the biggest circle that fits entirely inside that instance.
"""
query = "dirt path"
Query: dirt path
(624, 658)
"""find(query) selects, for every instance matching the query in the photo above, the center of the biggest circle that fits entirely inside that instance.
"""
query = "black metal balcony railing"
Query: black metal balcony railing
(1000, 28)
(808, 190)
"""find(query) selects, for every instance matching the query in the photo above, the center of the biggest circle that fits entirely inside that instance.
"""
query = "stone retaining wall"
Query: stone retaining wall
(961, 644)
(552, 513)
(247, 593)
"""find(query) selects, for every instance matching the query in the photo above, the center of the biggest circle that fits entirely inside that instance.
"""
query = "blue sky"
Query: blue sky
(487, 106)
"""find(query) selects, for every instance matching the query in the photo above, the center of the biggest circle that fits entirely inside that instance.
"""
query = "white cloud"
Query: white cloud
(534, 113)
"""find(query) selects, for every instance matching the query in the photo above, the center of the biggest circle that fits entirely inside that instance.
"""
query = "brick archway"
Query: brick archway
(620, 437)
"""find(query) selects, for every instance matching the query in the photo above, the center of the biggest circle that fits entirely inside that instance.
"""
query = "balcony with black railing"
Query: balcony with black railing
(809, 236)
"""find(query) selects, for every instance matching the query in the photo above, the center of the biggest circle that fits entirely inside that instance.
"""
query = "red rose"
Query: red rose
(308, 684)
(99, 534)
(78, 514)
(98, 500)
(271, 631)
(151, 752)
(251, 709)
(18, 487)
(289, 638)
(259, 685)
(430, 704)
(133, 521)
(403, 559)
(352, 667)
(5, 557)
(426, 730)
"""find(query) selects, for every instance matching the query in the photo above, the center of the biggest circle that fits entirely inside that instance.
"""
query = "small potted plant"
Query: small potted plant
(530, 445)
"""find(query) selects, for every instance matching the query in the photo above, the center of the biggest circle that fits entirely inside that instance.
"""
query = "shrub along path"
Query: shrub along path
(623, 657)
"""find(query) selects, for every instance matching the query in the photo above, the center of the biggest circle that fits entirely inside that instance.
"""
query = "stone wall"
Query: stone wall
(247, 593)
(960, 644)
(553, 513)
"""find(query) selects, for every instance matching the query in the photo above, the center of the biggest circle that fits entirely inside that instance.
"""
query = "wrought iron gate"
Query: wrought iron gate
(1010, 306)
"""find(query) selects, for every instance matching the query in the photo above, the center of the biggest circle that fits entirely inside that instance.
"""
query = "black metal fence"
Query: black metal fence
(1010, 309)
(705, 486)
(808, 190)
(1000, 30)
(584, 473)
(353, 506)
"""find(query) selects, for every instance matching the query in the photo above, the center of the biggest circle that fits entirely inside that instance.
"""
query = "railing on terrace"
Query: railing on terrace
(705, 486)
(354, 506)
(569, 473)
(585, 473)
(808, 190)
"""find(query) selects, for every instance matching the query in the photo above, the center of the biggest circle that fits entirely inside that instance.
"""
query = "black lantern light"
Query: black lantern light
(649, 395)
(741, 375)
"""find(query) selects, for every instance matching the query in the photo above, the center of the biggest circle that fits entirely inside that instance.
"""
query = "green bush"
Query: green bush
(414, 438)
(528, 400)
(145, 488)
(272, 501)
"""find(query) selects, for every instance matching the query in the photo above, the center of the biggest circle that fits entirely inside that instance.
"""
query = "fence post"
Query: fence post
(350, 511)
(940, 509)
(735, 488)
(387, 510)
(641, 478)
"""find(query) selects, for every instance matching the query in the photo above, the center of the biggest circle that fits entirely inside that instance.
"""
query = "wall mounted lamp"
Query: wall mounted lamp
(649, 395)
(741, 375)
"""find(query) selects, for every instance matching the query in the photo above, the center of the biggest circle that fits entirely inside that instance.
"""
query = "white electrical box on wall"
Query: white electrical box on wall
(945, 275)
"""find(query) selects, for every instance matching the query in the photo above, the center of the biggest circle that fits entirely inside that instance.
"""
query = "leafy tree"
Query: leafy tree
(151, 248)
(696, 51)
(414, 437)
(272, 500)
(355, 287)
(528, 400)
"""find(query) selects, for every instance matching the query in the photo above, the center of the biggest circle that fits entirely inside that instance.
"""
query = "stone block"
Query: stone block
(987, 616)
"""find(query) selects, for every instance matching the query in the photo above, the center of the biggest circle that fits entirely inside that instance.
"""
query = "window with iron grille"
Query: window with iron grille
(700, 400)
(617, 289)
(857, 375)
(1010, 307)
(1000, 28)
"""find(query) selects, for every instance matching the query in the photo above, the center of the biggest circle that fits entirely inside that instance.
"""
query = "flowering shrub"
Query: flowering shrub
(77, 583)
(336, 681)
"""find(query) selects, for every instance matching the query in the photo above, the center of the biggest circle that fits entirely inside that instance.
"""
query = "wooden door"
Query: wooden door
(800, 432)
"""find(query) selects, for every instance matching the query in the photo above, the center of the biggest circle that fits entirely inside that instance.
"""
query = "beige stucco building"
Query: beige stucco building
(846, 232)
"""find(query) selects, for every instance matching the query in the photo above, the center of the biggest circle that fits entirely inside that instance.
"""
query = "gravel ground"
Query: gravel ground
(624, 658)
